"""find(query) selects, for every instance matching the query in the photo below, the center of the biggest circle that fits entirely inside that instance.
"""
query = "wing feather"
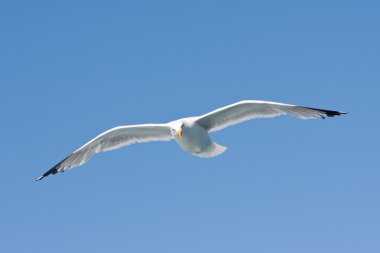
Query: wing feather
(112, 139)
(252, 109)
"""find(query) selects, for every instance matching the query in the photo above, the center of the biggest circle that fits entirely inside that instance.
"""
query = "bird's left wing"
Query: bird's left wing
(251, 109)
(112, 139)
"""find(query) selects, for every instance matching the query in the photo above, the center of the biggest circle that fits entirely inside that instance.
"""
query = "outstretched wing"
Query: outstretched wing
(251, 109)
(112, 139)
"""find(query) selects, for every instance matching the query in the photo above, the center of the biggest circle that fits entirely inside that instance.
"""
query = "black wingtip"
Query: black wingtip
(53, 171)
(39, 178)
(47, 173)
(328, 113)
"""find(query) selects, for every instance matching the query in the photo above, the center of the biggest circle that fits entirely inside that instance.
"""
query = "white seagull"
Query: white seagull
(191, 134)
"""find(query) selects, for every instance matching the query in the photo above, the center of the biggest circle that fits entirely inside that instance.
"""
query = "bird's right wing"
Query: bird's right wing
(113, 139)
(251, 109)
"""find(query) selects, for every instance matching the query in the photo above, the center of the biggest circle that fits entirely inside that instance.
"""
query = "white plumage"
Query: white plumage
(190, 133)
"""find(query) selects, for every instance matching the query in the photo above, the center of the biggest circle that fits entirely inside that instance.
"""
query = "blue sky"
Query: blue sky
(72, 69)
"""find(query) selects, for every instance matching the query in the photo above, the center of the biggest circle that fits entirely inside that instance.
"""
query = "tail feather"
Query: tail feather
(211, 150)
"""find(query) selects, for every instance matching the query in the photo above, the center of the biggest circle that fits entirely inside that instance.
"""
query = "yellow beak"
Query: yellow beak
(179, 132)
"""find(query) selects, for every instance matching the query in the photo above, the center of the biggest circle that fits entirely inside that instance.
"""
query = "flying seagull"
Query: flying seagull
(191, 134)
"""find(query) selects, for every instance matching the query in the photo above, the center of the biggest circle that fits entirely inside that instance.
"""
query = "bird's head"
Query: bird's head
(178, 127)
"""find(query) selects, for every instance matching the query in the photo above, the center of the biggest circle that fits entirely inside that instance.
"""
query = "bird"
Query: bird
(191, 133)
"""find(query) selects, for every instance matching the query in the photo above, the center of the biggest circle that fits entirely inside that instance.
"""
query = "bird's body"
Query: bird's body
(191, 134)
(195, 139)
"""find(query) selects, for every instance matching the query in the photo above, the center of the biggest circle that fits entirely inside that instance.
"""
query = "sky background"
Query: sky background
(70, 70)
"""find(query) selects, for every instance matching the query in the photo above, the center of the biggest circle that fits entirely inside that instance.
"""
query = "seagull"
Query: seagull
(191, 134)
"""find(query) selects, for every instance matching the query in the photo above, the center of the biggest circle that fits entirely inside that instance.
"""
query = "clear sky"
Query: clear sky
(72, 69)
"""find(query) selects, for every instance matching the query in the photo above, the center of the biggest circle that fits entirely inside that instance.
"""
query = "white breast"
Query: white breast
(194, 139)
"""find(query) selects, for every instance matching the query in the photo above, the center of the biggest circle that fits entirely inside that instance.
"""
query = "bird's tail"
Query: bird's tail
(211, 150)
